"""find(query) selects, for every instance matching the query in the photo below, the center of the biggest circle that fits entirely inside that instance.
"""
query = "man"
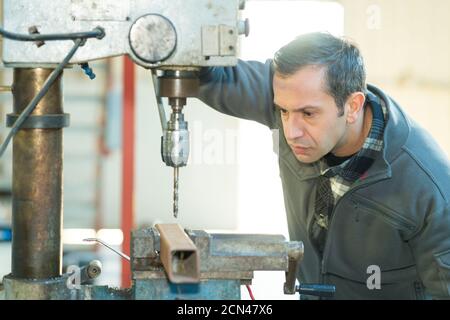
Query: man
(366, 189)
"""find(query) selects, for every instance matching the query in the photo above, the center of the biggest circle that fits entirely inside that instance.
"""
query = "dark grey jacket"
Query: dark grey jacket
(397, 217)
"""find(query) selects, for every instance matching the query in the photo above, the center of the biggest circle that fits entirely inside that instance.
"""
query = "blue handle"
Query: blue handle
(320, 290)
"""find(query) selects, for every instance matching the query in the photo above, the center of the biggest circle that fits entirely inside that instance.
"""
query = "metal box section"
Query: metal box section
(176, 32)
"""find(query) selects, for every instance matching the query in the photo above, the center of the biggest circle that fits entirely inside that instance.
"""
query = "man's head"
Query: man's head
(319, 86)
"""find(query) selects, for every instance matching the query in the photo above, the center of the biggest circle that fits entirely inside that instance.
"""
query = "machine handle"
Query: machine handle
(123, 255)
(295, 255)
(319, 290)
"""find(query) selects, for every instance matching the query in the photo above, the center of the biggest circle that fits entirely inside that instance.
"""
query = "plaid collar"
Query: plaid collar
(353, 168)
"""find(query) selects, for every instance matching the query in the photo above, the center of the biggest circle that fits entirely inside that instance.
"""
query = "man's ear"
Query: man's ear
(354, 106)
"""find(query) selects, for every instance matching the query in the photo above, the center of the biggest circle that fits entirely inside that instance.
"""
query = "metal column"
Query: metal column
(37, 181)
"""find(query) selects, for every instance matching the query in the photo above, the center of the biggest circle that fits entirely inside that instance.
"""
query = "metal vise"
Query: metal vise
(168, 263)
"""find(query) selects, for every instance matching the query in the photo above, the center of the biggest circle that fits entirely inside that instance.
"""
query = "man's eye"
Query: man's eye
(283, 111)
(308, 114)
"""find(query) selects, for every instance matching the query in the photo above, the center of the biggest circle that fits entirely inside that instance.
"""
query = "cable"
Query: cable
(97, 32)
(250, 292)
(47, 84)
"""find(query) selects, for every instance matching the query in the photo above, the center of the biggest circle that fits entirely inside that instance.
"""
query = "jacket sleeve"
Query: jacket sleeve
(431, 247)
(243, 91)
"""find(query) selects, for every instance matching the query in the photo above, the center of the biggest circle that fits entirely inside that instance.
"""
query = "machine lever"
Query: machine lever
(123, 255)
(295, 255)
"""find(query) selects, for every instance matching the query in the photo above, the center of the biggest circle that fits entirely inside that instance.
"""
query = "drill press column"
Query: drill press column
(37, 180)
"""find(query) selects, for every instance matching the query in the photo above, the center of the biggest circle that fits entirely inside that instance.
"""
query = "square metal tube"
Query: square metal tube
(179, 255)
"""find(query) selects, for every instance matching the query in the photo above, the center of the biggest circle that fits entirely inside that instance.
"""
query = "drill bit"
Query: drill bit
(175, 192)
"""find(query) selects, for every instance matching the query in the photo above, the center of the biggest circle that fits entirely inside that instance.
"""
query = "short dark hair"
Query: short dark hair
(345, 72)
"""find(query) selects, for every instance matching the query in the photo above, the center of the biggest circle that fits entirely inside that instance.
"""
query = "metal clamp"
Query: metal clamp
(49, 121)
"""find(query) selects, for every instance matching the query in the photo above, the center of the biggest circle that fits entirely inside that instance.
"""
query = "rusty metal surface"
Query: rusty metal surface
(242, 252)
(145, 243)
(93, 292)
(57, 289)
(179, 255)
(37, 182)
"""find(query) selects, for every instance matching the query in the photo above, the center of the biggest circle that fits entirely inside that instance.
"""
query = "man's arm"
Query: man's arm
(431, 247)
(244, 91)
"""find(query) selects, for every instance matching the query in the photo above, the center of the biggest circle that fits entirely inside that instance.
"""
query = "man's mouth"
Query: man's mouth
(298, 150)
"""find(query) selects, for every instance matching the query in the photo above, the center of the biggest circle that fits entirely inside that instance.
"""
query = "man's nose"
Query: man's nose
(294, 129)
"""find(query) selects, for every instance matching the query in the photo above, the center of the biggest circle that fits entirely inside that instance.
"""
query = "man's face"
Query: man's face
(311, 119)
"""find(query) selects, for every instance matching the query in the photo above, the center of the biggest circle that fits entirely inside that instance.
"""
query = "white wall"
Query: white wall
(406, 47)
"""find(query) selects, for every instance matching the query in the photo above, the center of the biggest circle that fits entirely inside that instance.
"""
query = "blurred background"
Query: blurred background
(231, 183)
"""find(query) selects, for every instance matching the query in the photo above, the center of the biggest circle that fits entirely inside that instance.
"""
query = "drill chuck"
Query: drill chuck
(175, 142)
